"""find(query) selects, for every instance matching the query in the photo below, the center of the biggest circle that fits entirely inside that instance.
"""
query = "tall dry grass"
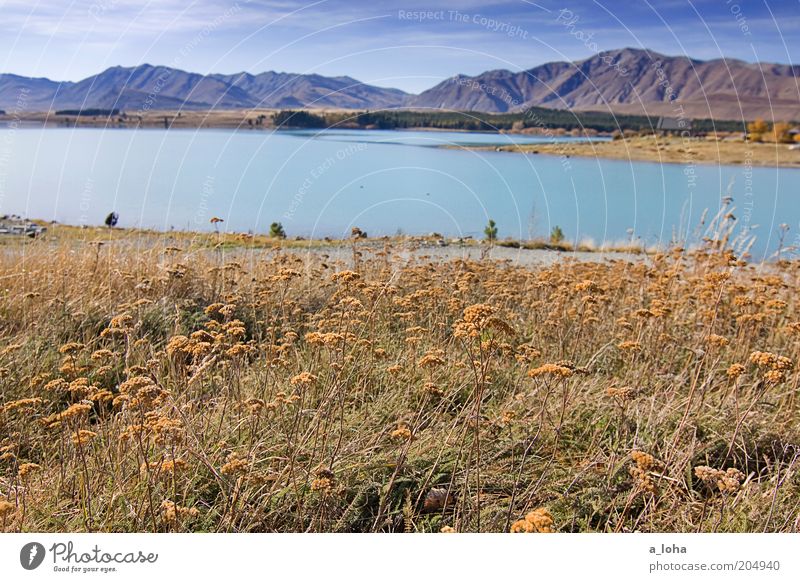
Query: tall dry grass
(147, 387)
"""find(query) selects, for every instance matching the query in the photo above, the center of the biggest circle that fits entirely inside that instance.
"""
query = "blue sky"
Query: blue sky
(406, 44)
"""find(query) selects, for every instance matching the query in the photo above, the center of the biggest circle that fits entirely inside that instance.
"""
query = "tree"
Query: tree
(556, 235)
(112, 219)
(490, 231)
(276, 230)
(757, 129)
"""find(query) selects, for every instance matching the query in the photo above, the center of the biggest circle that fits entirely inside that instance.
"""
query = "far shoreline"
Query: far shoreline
(653, 148)
(663, 150)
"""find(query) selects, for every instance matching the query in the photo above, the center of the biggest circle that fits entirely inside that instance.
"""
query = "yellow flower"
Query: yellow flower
(303, 380)
(401, 433)
(551, 370)
(537, 521)
(83, 437)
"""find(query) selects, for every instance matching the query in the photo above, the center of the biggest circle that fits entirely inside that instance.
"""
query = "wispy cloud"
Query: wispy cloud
(365, 39)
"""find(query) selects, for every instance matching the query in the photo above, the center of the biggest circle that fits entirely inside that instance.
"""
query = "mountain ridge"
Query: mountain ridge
(625, 81)
(630, 81)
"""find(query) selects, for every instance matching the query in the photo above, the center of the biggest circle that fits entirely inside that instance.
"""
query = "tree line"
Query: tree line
(535, 117)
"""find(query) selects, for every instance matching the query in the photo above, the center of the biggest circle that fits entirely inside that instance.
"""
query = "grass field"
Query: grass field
(672, 150)
(151, 383)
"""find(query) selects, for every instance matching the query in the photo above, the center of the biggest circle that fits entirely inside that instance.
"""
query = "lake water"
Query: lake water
(323, 183)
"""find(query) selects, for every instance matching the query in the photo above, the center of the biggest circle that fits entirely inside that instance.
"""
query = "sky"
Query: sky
(411, 45)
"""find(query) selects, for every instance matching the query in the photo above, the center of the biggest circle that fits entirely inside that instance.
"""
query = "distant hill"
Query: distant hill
(149, 87)
(630, 81)
(626, 81)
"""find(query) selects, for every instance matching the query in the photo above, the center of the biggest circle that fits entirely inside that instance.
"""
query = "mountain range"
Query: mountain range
(626, 81)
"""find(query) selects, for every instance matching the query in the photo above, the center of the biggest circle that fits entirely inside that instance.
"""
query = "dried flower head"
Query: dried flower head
(401, 433)
(537, 521)
(726, 482)
(552, 370)
(83, 437)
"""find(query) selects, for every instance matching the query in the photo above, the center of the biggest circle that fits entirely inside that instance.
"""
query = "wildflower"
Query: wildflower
(324, 481)
(255, 405)
(74, 412)
(238, 350)
(775, 377)
(432, 359)
(120, 321)
(630, 346)
(103, 354)
(553, 370)
(432, 389)
(303, 380)
(623, 394)
(522, 526)
(21, 403)
(345, 276)
(646, 464)
(26, 469)
(172, 513)
(717, 340)
(9, 349)
(587, 285)
(177, 345)
(166, 431)
(537, 521)
(83, 437)
(101, 396)
(166, 468)
(725, 482)
(235, 464)
(764, 359)
(401, 433)
(70, 348)
(735, 370)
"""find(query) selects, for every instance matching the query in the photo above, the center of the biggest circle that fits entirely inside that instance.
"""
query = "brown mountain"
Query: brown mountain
(630, 81)
(149, 87)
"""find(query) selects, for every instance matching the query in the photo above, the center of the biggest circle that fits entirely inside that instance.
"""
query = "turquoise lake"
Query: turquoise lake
(323, 183)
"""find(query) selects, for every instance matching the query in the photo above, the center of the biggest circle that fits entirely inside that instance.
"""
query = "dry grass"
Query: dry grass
(673, 150)
(148, 385)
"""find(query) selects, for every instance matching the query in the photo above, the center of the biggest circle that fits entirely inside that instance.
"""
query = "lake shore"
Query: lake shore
(665, 150)
(429, 248)
(651, 148)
